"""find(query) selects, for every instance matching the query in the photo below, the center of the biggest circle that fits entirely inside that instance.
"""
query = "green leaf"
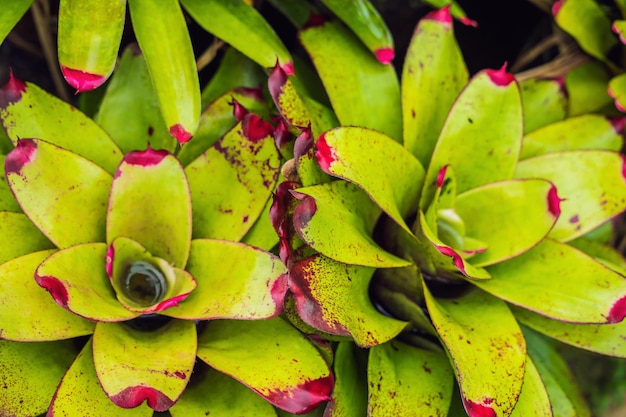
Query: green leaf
(77, 280)
(297, 11)
(30, 373)
(527, 208)
(27, 111)
(408, 381)
(129, 111)
(63, 194)
(349, 397)
(432, 77)
(162, 34)
(12, 12)
(334, 298)
(363, 156)
(490, 371)
(606, 255)
(272, 358)
(234, 281)
(89, 35)
(152, 185)
(136, 365)
(27, 312)
(262, 233)
(543, 102)
(362, 91)
(590, 183)
(586, 87)
(80, 394)
(21, 237)
(232, 181)
(338, 219)
(617, 90)
(534, 280)
(588, 131)
(211, 393)
(241, 26)
(456, 10)
(367, 24)
(533, 400)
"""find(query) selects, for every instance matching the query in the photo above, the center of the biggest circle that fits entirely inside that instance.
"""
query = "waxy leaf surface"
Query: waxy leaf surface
(12, 12)
(586, 87)
(486, 347)
(272, 358)
(561, 282)
(20, 236)
(362, 91)
(533, 400)
(543, 102)
(617, 90)
(7, 200)
(349, 397)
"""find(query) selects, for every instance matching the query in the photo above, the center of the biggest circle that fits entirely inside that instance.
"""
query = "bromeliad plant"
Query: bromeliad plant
(142, 258)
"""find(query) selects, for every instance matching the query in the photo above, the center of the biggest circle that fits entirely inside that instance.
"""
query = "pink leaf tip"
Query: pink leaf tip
(385, 55)
(557, 6)
(456, 258)
(554, 202)
(623, 166)
(442, 15)
(468, 22)
(180, 133)
(109, 260)
(441, 176)
(617, 123)
(288, 68)
(618, 311)
(146, 158)
(22, 154)
(619, 32)
(132, 397)
(12, 91)
(500, 77)
(254, 128)
(303, 398)
(55, 287)
(81, 80)
(618, 105)
(325, 154)
(479, 410)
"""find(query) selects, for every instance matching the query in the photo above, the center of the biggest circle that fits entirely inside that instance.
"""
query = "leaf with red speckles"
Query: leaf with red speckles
(586, 87)
(361, 91)
(272, 358)
(129, 111)
(150, 202)
(30, 238)
(30, 373)
(135, 365)
(89, 38)
(408, 381)
(433, 75)
(241, 26)
(27, 312)
(27, 111)
(486, 348)
(482, 135)
(617, 90)
(12, 12)
(349, 397)
(334, 298)
(533, 400)
(590, 183)
(162, 34)
(262, 233)
(525, 208)
(363, 156)
(586, 21)
(76, 278)
(80, 394)
(230, 184)
(212, 393)
(367, 24)
(337, 219)
(563, 390)
(234, 281)
(543, 102)
(592, 293)
(589, 131)
(63, 194)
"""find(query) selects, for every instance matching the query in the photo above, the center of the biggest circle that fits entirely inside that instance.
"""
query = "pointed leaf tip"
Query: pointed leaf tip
(468, 22)
(442, 15)
(500, 77)
(180, 133)
(479, 410)
(239, 111)
(325, 154)
(618, 311)
(456, 258)
(12, 91)
(82, 81)
(146, 158)
(385, 55)
(288, 68)
(557, 6)
(441, 176)
(109, 260)
(132, 397)
(305, 397)
(276, 81)
(19, 156)
(554, 202)
(255, 128)
(55, 288)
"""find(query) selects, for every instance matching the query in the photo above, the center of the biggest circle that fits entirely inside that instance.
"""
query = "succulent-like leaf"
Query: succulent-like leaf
(362, 91)
(80, 393)
(337, 219)
(262, 234)
(407, 381)
(606, 255)
(543, 102)
(533, 400)
(89, 37)
(362, 156)
(433, 75)
(129, 111)
(234, 281)
(20, 236)
(586, 87)
(77, 280)
(231, 182)
(528, 209)
(349, 397)
(63, 194)
(486, 347)
(162, 34)
(272, 358)
(617, 90)
(27, 313)
(334, 298)
(27, 111)
(218, 395)
(240, 25)
(12, 12)
(592, 293)
(590, 197)
(455, 9)
(297, 11)
(151, 185)
(30, 372)
(367, 24)
(136, 365)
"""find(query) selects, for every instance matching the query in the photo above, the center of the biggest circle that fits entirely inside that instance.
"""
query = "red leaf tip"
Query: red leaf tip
(325, 154)
(618, 311)
(468, 22)
(132, 397)
(623, 166)
(554, 202)
(385, 55)
(500, 77)
(81, 80)
(456, 258)
(442, 15)
(254, 128)
(12, 91)
(288, 68)
(146, 158)
(109, 260)
(304, 397)
(617, 123)
(239, 111)
(557, 6)
(22, 154)
(479, 410)
(180, 133)
(279, 291)
(441, 176)
(55, 287)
